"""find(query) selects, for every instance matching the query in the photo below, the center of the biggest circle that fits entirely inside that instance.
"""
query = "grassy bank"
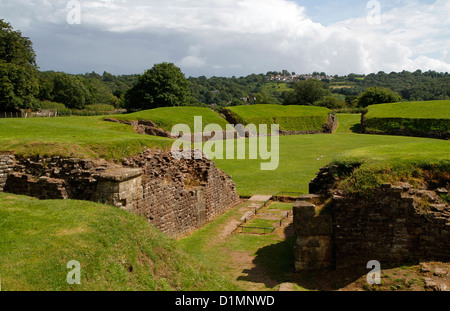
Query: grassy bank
(81, 137)
(410, 118)
(290, 118)
(439, 109)
(166, 118)
(117, 250)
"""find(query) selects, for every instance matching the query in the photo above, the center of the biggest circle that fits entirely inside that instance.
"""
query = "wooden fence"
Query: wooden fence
(28, 114)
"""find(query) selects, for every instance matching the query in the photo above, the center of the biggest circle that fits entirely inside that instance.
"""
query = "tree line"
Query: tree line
(24, 86)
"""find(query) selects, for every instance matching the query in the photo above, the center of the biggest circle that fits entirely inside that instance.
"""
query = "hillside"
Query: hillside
(117, 251)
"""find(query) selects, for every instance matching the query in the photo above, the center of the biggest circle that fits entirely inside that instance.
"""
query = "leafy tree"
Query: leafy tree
(264, 98)
(331, 102)
(162, 86)
(18, 70)
(99, 93)
(14, 48)
(307, 93)
(378, 95)
(70, 91)
(18, 86)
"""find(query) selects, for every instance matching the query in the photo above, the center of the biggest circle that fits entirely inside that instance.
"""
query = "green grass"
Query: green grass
(117, 251)
(82, 137)
(302, 156)
(281, 206)
(439, 109)
(290, 118)
(409, 153)
(166, 118)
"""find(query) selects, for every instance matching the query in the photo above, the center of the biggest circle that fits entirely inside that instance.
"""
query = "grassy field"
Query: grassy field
(117, 251)
(290, 118)
(302, 156)
(439, 109)
(166, 118)
(83, 137)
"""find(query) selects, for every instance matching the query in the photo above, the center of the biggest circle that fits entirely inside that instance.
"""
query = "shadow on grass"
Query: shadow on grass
(356, 128)
(274, 265)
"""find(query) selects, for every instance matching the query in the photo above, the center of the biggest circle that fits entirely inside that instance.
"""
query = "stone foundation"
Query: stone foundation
(176, 196)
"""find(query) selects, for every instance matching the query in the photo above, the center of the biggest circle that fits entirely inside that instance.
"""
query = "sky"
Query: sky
(235, 37)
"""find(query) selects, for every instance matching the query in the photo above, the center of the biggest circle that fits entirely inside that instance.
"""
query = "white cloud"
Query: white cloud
(233, 37)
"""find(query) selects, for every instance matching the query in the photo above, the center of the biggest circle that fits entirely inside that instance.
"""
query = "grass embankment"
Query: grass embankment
(290, 118)
(117, 250)
(416, 163)
(166, 118)
(80, 137)
(416, 118)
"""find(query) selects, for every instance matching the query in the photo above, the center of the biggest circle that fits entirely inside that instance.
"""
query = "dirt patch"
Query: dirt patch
(243, 264)
(428, 276)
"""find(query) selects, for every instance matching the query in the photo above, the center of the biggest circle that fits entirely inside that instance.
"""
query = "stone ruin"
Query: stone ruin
(176, 196)
(399, 224)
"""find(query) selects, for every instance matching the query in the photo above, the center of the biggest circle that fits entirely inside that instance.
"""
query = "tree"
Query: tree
(162, 86)
(18, 86)
(70, 91)
(18, 70)
(378, 95)
(331, 102)
(99, 93)
(307, 93)
(264, 98)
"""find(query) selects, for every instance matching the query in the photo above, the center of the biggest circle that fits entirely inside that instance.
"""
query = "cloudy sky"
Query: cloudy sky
(235, 37)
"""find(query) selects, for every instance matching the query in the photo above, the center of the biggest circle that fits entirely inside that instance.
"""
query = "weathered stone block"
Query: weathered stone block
(303, 209)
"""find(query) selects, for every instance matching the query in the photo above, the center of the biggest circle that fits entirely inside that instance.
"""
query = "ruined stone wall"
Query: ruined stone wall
(397, 223)
(180, 196)
(176, 196)
(391, 227)
(6, 166)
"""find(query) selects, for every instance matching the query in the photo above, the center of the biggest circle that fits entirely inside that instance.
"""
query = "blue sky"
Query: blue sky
(328, 12)
(236, 37)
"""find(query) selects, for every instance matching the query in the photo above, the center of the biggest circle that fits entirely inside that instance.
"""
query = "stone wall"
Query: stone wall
(176, 196)
(180, 196)
(6, 166)
(393, 227)
(396, 224)
(313, 248)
